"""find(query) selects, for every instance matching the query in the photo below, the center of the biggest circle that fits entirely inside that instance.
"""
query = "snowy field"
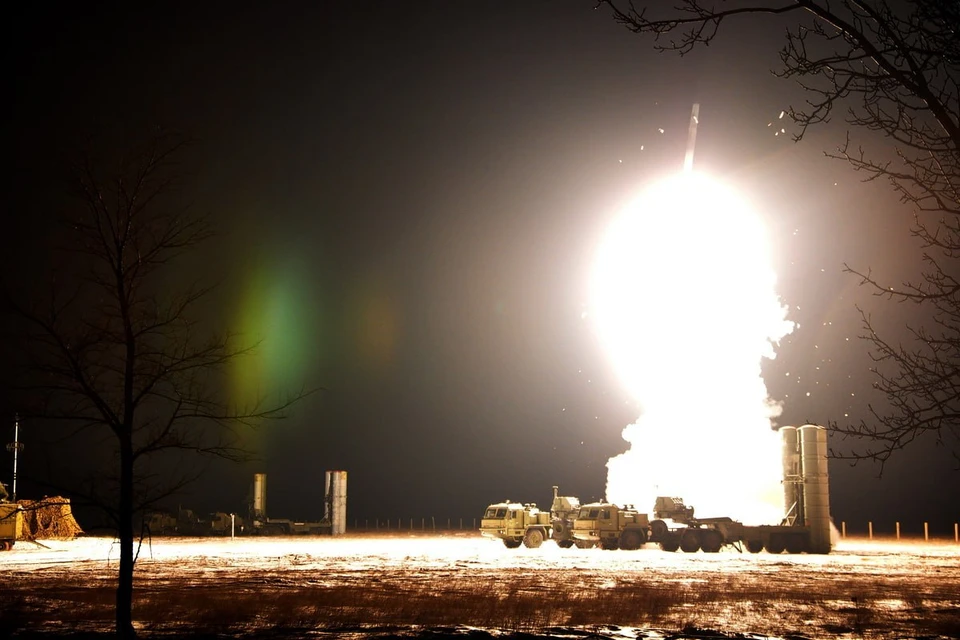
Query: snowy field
(418, 585)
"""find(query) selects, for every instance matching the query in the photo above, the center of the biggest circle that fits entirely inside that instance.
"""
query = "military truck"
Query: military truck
(610, 526)
(11, 524)
(518, 523)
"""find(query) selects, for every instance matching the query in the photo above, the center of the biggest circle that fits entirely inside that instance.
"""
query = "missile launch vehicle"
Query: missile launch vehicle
(518, 523)
(804, 529)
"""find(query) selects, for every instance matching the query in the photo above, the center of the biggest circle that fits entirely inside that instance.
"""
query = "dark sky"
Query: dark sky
(408, 196)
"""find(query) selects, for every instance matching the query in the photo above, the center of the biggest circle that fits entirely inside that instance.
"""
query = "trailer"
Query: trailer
(805, 527)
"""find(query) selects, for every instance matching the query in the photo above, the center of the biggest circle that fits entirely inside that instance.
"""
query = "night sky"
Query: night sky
(407, 198)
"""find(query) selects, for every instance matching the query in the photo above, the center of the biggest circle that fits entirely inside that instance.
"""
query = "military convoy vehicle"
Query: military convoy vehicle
(518, 523)
(610, 526)
(806, 527)
(11, 524)
(711, 534)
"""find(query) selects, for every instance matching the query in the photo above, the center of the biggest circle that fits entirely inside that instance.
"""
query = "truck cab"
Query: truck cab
(515, 523)
(610, 526)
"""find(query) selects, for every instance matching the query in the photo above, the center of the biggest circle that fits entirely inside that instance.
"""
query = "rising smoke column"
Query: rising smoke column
(684, 301)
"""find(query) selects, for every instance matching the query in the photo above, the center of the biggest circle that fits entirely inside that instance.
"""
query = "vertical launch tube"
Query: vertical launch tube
(792, 480)
(336, 499)
(260, 496)
(816, 486)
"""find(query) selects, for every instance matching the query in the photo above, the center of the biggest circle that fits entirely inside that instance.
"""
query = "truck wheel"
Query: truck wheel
(609, 544)
(711, 540)
(690, 541)
(564, 544)
(670, 543)
(775, 545)
(584, 544)
(511, 543)
(796, 544)
(631, 540)
(754, 546)
(658, 530)
(533, 539)
(6, 545)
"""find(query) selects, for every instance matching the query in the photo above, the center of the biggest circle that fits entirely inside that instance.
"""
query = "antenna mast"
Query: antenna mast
(16, 446)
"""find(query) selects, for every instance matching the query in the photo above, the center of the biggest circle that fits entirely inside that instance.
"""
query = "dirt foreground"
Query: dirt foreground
(459, 584)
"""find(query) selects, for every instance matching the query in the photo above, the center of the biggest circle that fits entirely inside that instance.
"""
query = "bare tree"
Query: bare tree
(893, 68)
(116, 354)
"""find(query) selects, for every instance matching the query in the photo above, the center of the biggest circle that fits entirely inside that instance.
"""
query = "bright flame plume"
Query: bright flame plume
(684, 302)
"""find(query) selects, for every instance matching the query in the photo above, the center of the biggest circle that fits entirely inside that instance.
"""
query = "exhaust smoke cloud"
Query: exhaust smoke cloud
(684, 302)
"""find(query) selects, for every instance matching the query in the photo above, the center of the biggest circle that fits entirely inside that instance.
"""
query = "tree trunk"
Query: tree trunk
(125, 530)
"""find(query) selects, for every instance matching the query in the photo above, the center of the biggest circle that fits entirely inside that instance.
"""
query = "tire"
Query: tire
(6, 545)
(609, 544)
(559, 528)
(776, 544)
(584, 544)
(671, 543)
(754, 546)
(796, 543)
(690, 541)
(533, 539)
(658, 530)
(511, 543)
(564, 544)
(631, 539)
(711, 540)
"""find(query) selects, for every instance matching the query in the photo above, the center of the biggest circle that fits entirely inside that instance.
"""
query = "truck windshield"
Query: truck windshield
(590, 514)
(493, 512)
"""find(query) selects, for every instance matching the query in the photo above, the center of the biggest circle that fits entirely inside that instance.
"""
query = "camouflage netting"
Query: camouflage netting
(48, 519)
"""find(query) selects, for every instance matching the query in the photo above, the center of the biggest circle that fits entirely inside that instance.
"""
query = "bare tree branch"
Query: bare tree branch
(116, 355)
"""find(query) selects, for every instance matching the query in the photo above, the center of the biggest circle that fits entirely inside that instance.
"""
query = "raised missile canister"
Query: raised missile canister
(816, 486)
(792, 480)
(336, 501)
(259, 496)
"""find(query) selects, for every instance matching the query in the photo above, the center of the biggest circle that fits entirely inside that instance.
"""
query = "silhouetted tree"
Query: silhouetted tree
(115, 352)
(894, 68)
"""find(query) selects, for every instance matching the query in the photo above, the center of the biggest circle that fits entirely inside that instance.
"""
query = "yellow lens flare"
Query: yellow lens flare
(683, 300)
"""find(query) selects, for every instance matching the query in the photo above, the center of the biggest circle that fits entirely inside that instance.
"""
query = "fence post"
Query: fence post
(956, 532)
(870, 529)
(898, 531)
(843, 529)
(926, 531)
(461, 524)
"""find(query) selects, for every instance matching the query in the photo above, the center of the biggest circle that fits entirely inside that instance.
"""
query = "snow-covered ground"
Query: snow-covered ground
(884, 588)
